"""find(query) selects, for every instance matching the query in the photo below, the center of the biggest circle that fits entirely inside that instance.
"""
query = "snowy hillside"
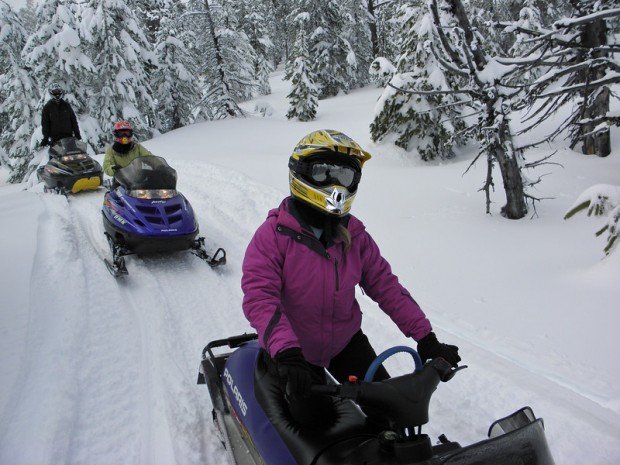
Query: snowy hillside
(95, 370)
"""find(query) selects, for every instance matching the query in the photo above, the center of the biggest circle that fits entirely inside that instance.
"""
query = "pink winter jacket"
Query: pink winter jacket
(299, 294)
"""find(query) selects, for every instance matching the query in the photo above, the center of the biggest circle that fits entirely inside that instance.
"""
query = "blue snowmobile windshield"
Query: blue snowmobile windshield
(146, 173)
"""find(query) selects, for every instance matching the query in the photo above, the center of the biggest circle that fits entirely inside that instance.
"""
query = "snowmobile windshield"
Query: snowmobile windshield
(68, 147)
(147, 173)
(526, 445)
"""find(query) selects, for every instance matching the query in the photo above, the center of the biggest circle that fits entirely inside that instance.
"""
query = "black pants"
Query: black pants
(353, 360)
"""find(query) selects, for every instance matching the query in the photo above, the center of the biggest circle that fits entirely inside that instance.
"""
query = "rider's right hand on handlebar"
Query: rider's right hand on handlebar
(294, 369)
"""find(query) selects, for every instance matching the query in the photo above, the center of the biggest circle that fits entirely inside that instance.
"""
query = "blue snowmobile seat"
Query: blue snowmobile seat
(272, 428)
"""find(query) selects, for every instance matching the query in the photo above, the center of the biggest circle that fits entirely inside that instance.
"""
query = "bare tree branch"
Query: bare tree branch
(426, 92)
(600, 82)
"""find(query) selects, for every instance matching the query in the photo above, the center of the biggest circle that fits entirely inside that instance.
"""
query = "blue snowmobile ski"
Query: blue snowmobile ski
(251, 415)
(143, 214)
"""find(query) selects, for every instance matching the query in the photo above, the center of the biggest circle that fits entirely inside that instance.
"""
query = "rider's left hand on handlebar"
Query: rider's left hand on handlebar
(429, 348)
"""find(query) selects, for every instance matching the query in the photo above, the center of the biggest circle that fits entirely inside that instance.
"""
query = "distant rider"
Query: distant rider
(124, 150)
(58, 118)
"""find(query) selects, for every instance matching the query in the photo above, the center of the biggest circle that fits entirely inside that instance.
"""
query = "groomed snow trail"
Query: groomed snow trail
(112, 378)
(95, 370)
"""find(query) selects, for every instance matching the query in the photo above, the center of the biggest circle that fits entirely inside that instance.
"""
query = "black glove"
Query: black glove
(44, 142)
(429, 348)
(78, 137)
(293, 368)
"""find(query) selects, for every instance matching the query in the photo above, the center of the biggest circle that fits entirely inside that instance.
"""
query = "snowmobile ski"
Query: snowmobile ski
(217, 259)
(117, 266)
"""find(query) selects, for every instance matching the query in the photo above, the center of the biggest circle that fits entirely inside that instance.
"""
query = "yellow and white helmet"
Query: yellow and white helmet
(325, 169)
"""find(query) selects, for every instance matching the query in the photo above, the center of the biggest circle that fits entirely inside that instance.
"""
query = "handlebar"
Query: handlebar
(404, 400)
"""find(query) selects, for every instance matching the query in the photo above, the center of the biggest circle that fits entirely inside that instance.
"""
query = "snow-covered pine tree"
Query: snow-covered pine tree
(237, 53)
(579, 55)
(333, 58)
(55, 53)
(426, 119)
(175, 82)
(281, 33)
(149, 13)
(388, 28)
(121, 53)
(303, 97)
(381, 71)
(221, 81)
(28, 16)
(358, 34)
(257, 28)
(18, 95)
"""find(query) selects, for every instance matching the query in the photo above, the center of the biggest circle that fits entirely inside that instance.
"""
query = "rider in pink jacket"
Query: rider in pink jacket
(303, 264)
(299, 293)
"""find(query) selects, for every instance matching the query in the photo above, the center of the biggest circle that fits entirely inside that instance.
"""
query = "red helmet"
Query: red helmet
(123, 132)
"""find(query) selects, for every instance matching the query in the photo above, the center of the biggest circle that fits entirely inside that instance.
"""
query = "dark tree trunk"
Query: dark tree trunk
(373, 29)
(500, 146)
(515, 207)
(231, 107)
(599, 143)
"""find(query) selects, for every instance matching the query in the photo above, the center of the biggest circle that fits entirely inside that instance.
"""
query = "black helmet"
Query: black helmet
(56, 91)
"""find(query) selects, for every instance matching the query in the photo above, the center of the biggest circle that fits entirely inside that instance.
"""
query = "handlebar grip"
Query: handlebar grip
(325, 389)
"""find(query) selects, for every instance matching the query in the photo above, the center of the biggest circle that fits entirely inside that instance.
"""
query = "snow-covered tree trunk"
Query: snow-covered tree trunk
(594, 37)
(462, 54)
(372, 24)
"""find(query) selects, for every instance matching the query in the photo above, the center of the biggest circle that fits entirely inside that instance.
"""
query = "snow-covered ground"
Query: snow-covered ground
(97, 370)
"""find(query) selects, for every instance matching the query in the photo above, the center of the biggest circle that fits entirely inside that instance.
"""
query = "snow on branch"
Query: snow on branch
(611, 78)
(582, 20)
(425, 92)
(601, 200)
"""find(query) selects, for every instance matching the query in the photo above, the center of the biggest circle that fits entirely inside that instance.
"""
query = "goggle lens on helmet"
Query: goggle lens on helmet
(325, 174)
(124, 133)
(56, 93)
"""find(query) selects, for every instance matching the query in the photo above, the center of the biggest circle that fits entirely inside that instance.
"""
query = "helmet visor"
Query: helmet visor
(123, 133)
(325, 174)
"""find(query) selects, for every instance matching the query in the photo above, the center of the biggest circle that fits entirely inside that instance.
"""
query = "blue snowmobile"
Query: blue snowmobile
(255, 426)
(144, 214)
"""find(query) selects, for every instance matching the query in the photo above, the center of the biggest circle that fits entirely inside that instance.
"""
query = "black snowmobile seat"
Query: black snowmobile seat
(328, 444)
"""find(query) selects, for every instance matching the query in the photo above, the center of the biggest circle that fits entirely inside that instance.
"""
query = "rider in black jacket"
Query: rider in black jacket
(58, 119)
